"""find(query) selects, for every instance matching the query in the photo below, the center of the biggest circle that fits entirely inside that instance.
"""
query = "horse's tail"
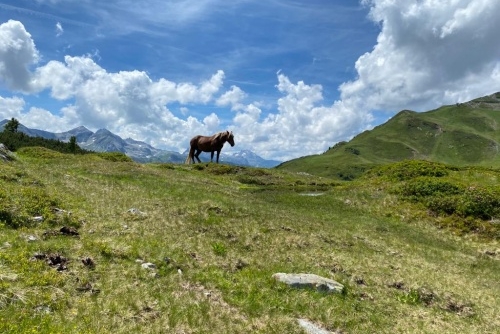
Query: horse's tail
(189, 158)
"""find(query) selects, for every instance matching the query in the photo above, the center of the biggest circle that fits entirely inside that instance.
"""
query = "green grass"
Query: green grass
(217, 234)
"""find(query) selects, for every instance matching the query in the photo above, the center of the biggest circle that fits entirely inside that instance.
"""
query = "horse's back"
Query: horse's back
(194, 140)
(201, 142)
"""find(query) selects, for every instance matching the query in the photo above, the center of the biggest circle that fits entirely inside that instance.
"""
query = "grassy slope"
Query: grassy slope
(465, 134)
(228, 229)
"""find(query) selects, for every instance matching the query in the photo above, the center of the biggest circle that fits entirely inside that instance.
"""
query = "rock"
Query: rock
(241, 264)
(5, 154)
(148, 265)
(37, 219)
(67, 230)
(88, 262)
(310, 281)
(31, 238)
(58, 211)
(57, 261)
(135, 211)
(311, 328)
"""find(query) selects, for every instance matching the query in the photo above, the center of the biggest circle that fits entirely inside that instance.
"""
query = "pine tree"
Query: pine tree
(11, 126)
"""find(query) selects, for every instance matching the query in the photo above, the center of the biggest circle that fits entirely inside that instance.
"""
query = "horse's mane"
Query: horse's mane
(219, 135)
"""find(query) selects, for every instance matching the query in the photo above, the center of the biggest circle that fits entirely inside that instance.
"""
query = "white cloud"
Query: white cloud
(129, 103)
(428, 53)
(59, 29)
(11, 107)
(302, 124)
(17, 53)
(212, 122)
(232, 98)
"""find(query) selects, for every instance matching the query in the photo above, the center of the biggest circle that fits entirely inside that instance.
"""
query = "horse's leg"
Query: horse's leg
(197, 155)
(218, 153)
(212, 156)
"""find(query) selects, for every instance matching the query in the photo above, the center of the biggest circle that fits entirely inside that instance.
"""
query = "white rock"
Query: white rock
(309, 281)
(311, 328)
(148, 265)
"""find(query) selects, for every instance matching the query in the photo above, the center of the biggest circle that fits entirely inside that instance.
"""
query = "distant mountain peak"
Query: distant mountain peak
(104, 131)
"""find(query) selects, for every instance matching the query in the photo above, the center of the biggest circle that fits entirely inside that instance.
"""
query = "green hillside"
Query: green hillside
(100, 244)
(465, 134)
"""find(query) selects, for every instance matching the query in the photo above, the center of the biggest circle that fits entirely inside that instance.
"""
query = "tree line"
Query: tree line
(14, 140)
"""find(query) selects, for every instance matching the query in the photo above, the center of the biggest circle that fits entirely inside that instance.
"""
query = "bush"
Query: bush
(426, 186)
(409, 169)
(443, 197)
(114, 156)
(479, 202)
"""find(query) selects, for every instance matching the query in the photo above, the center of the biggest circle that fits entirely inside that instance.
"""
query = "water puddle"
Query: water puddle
(313, 194)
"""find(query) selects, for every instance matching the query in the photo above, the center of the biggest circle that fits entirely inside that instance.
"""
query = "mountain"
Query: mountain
(30, 132)
(81, 133)
(105, 141)
(247, 157)
(462, 134)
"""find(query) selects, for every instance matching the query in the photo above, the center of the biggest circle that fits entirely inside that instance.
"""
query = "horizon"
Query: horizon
(205, 154)
(290, 79)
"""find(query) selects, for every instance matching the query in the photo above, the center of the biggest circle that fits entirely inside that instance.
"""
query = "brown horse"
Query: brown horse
(209, 144)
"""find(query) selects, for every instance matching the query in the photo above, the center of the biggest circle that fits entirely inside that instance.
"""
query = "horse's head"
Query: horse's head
(230, 138)
(225, 136)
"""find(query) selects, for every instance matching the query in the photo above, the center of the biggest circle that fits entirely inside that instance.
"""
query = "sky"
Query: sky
(289, 77)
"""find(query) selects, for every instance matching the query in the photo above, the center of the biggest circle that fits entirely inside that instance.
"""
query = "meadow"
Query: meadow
(97, 243)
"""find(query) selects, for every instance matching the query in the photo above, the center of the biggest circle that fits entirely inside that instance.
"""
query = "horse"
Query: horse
(210, 144)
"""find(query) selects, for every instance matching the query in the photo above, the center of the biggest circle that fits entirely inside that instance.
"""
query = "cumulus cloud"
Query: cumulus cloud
(11, 107)
(128, 103)
(301, 125)
(232, 98)
(428, 53)
(17, 54)
(14, 107)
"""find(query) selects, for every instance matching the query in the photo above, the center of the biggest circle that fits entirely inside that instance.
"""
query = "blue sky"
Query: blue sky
(288, 77)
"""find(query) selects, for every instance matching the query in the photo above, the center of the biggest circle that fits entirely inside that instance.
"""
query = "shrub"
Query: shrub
(114, 156)
(428, 186)
(479, 202)
(409, 169)
(221, 169)
(444, 197)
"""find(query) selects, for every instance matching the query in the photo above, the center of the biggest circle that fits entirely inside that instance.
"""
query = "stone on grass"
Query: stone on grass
(311, 328)
(135, 211)
(31, 238)
(5, 154)
(149, 265)
(310, 281)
